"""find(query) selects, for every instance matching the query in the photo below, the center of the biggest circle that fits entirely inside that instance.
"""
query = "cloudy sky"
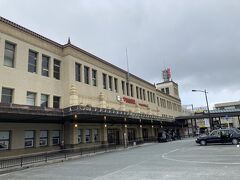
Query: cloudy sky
(198, 39)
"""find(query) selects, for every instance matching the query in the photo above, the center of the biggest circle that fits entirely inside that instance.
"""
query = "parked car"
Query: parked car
(229, 135)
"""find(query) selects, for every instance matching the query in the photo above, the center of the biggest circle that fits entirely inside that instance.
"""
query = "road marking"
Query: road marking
(164, 156)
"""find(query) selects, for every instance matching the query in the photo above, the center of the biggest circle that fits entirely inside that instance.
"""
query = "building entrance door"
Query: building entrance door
(113, 136)
(131, 134)
(145, 133)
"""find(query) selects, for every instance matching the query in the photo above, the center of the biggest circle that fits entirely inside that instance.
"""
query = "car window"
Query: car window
(237, 130)
(215, 133)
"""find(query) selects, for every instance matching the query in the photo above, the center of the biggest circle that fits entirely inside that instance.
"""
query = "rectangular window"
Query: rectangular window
(78, 72)
(88, 135)
(44, 100)
(96, 135)
(137, 92)
(56, 101)
(56, 69)
(127, 86)
(94, 77)
(45, 65)
(158, 101)
(4, 140)
(80, 136)
(167, 90)
(56, 137)
(144, 95)
(7, 95)
(148, 95)
(116, 84)
(151, 98)
(32, 61)
(104, 81)
(31, 98)
(43, 141)
(9, 54)
(140, 93)
(123, 87)
(131, 90)
(110, 83)
(86, 75)
(29, 139)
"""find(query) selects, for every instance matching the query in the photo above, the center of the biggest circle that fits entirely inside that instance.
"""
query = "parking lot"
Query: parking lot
(182, 159)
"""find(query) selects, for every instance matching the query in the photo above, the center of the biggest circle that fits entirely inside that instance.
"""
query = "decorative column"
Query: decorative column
(104, 135)
(73, 96)
(102, 100)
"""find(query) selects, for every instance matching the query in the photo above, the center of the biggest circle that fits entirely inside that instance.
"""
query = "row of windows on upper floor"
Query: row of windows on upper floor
(108, 82)
(31, 98)
(9, 61)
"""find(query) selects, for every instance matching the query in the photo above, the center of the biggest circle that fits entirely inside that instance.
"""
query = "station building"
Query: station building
(54, 94)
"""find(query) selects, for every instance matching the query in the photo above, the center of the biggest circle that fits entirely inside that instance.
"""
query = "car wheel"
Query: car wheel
(203, 143)
(234, 141)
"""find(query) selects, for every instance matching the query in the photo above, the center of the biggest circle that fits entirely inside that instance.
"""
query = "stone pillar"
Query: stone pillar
(70, 134)
(104, 135)
(125, 135)
(37, 138)
(139, 133)
(102, 101)
(235, 122)
(73, 96)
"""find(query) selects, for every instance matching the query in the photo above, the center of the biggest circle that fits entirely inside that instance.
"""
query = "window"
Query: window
(31, 99)
(43, 141)
(148, 95)
(163, 90)
(56, 137)
(158, 101)
(151, 98)
(123, 87)
(131, 90)
(45, 65)
(29, 139)
(56, 101)
(79, 136)
(32, 62)
(7, 95)
(116, 84)
(127, 86)
(140, 93)
(88, 135)
(94, 77)
(104, 81)
(78, 72)
(144, 95)
(4, 140)
(110, 82)
(96, 135)
(137, 92)
(56, 69)
(86, 75)
(44, 100)
(167, 90)
(9, 54)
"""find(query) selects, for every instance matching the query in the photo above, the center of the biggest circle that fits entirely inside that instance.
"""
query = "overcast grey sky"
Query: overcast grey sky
(198, 39)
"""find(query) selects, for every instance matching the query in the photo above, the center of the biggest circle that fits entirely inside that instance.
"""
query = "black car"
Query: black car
(229, 135)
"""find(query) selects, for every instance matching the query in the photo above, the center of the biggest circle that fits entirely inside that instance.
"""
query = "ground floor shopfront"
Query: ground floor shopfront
(35, 130)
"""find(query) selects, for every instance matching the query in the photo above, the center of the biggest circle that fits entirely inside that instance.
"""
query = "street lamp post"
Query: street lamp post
(209, 115)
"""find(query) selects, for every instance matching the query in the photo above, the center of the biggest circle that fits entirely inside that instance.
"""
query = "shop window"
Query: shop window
(88, 135)
(55, 137)
(29, 139)
(4, 140)
(96, 135)
(43, 138)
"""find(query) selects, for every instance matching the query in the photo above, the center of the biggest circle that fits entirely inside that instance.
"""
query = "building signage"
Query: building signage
(129, 101)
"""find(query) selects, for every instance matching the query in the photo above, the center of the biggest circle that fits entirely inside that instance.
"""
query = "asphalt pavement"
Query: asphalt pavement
(182, 159)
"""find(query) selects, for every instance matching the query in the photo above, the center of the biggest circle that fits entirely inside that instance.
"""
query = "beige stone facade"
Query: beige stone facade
(119, 93)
